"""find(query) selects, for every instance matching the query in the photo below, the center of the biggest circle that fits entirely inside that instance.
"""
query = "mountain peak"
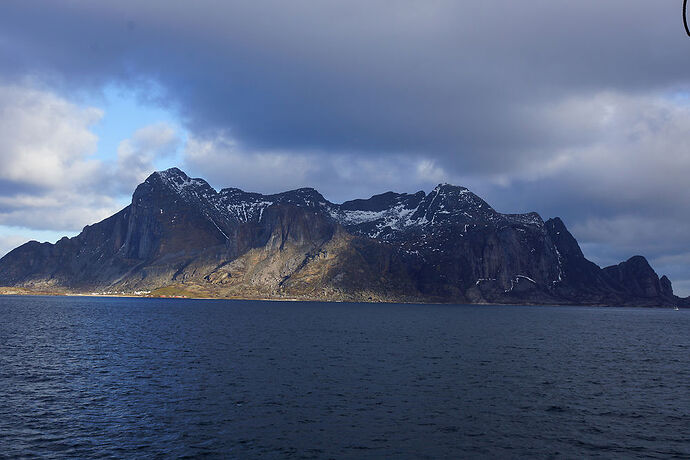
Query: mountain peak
(454, 198)
(384, 201)
(306, 196)
(456, 194)
(304, 191)
(445, 186)
(171, 173)
(178, 180)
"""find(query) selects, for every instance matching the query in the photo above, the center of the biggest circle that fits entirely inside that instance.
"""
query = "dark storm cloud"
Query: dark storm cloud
(459, 79)
(576, 109)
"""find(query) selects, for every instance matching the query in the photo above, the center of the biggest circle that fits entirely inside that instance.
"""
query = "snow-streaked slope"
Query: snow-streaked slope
(387, 216)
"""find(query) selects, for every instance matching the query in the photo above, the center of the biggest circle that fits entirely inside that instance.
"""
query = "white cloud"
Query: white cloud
(50, 178)
(44, 139)
(60, 210)
(136, 156)
(633, 145)
(338, 177)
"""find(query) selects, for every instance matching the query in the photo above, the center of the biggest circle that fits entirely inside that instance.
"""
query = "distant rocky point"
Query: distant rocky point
(180, 237)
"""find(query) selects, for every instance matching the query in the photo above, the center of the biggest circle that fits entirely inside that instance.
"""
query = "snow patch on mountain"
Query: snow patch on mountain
(181, 183)
(381, 217)
(248, 211)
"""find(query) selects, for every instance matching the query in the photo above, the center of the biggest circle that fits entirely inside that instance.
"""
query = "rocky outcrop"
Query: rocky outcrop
(445, 246)
(633, 282)
(636, 277)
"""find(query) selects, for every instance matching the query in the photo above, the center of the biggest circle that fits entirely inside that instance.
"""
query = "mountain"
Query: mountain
(181, 236)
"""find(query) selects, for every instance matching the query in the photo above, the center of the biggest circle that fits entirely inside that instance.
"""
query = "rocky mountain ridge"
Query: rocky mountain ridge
(181, 235)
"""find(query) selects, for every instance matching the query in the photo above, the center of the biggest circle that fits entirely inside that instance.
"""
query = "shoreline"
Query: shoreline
(22, 292)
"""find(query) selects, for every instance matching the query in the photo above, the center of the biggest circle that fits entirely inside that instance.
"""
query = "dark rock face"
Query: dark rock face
(637, 277)
(447, 246)
(666, 289)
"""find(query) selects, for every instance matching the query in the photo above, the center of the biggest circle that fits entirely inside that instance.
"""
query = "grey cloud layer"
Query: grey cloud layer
(461, 79)
(572, 108)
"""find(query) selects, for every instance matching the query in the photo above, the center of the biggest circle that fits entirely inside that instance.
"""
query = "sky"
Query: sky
(572, 109)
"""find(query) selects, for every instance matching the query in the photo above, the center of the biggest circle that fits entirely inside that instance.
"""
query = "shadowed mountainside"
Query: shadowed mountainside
(180, 235)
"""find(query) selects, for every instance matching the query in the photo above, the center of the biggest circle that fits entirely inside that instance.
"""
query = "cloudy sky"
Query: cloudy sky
(572, 109)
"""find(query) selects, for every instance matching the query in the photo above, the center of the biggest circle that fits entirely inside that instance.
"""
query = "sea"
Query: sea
(89, 377)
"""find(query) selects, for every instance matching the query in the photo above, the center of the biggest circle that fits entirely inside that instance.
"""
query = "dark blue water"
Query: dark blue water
(143, 378)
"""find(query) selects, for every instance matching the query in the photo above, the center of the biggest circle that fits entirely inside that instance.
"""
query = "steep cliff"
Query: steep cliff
(447, 246)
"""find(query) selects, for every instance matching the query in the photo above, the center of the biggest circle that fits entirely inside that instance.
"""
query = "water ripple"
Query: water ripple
(133, 378)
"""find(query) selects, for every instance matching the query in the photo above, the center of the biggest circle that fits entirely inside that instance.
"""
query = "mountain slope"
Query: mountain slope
(448, 246)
